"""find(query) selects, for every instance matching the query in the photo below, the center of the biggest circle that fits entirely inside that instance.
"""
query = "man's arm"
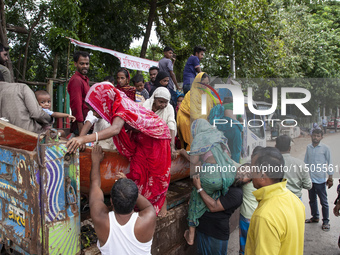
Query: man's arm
(306, 157)
(196, 64)
(35, 111)
(173, 77)
(98, 209)
(198, 69)
(330, 168)
(216, 205)
(111, 131)
(306, 181)
(146, 224)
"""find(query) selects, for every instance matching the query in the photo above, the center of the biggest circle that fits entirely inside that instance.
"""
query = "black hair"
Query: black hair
(317, 131)
(110, 78)
(256, 151)
(270, 161)
(1, 77)
(77, 54)
(41, 93)
(283, 143)
(137, 78)
(167, 48)
(198, 49)
(125, 71)
(205, 75)
(3, 48)
(124, 194)
(154, 68)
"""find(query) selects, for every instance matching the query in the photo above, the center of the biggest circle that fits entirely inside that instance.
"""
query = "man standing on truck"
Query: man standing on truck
(121, 231)
(78, 87)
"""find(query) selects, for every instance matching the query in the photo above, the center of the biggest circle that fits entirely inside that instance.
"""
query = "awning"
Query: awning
(128, 61)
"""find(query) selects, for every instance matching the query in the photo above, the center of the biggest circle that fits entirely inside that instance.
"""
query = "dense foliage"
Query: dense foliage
(270, 38)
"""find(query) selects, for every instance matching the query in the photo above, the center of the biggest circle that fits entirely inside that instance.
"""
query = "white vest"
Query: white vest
(122, 240)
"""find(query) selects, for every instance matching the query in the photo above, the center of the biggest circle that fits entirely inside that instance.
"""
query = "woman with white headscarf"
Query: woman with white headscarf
(159, 104)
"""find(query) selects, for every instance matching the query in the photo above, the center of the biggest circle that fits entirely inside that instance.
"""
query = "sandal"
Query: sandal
(326, 227)
(312, 220)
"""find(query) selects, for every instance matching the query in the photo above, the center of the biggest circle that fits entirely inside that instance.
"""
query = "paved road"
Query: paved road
(317, 242)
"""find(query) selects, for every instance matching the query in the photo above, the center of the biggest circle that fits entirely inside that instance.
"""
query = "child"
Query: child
(44, 100)
(141, 93)
(180, 98)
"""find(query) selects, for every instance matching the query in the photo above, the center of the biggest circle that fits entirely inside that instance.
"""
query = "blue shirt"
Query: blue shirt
(48, 111)
(165, 65)
(318, 160)
(189, 72)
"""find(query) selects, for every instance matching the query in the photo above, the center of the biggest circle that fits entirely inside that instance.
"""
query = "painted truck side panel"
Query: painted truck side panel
(39, 200)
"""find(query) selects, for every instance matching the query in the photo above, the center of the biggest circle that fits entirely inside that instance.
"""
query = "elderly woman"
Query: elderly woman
(210, 150)
(138, 134)
(159, 104)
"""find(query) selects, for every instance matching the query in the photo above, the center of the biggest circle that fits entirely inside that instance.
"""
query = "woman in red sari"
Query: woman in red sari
(139, 134)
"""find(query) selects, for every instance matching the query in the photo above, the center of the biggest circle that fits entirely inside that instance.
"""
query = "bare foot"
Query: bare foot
(162, 213)
(188, 238)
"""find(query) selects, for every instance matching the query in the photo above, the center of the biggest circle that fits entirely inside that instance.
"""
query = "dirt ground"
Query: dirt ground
(317, 242)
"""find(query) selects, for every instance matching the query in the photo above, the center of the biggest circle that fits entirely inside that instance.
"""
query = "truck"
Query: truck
(41, 186)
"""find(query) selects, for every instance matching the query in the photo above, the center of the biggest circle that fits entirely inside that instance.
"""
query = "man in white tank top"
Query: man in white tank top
(121, 231)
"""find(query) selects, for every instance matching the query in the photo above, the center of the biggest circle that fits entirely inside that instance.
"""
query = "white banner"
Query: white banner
(128, 61)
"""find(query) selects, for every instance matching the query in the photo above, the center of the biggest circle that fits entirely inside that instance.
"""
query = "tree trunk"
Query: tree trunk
(29, 39)
(55, 65)
(152, 12)
(3, 34)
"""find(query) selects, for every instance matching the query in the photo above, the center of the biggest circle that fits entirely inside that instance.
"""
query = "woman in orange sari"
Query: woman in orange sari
(139, 134)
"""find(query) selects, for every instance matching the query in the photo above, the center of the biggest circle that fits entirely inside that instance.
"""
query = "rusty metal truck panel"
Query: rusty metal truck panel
(39, 200)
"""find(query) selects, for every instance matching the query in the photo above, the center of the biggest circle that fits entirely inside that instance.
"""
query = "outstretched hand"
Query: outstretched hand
(73, 144)
(97, 154)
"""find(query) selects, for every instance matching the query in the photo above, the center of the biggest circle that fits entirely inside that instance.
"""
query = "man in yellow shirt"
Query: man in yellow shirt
(278, 223)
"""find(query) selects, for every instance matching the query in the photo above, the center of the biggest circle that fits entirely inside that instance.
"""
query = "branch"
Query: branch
(16, 29)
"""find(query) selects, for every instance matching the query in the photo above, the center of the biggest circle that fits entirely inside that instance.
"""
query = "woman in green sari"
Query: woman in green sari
(210, 155)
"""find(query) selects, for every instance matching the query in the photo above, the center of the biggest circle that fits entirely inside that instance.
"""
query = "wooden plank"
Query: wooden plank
(15, 137)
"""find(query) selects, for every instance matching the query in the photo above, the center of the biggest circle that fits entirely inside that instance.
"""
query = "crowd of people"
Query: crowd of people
(154, 122)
